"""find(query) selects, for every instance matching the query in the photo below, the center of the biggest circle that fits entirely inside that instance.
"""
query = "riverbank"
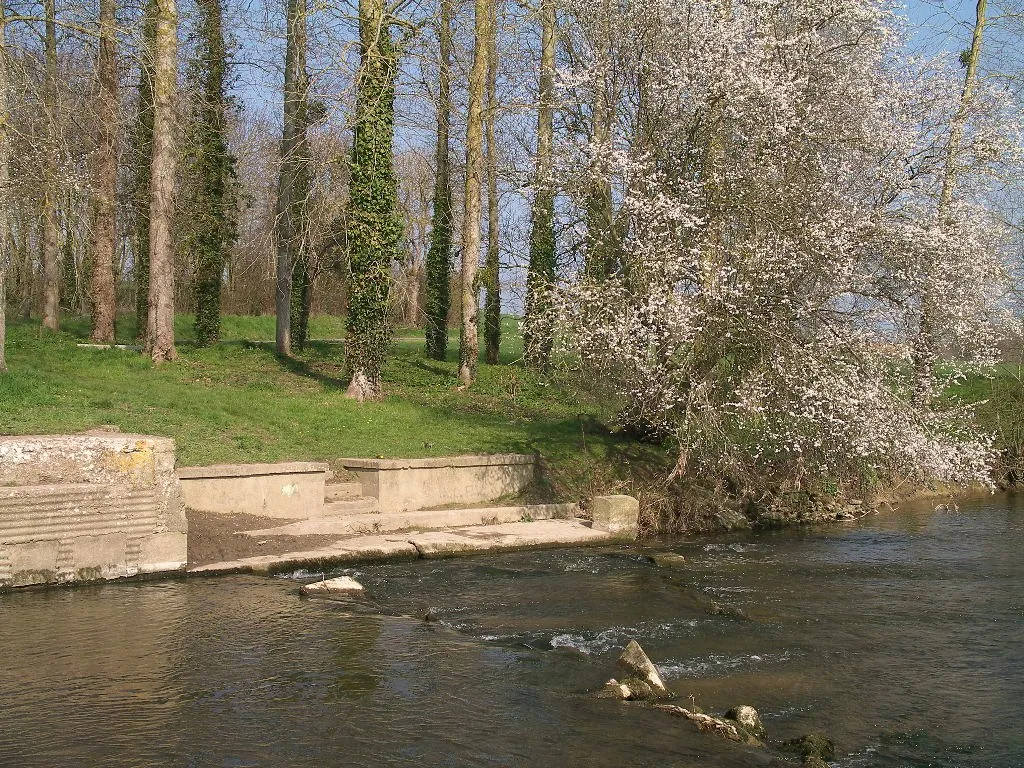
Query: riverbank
(239, 402)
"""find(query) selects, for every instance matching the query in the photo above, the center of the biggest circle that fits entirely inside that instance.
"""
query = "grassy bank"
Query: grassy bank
(239, 402)
(999, 400)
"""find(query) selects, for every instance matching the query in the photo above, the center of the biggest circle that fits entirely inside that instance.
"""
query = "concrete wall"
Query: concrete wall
(402, 485)
(290, 490)
(87, 507)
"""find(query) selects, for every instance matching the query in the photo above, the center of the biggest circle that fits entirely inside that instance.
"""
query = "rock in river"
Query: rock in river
(747, 717)
(644, 680)
(343, 585)
(814, 748)
(667, 560)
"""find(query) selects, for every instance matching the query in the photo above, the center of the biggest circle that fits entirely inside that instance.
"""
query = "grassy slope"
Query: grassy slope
(1000, 411)
(239, 402)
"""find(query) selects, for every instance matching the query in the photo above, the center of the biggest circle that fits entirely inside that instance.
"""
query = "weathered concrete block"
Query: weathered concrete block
(290, 490)
(163, 552)
(84, 507)
(618, 515)
(33, 562)
(100, 557)
(402, 485)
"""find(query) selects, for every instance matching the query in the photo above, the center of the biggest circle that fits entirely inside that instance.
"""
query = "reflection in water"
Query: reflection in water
(898, 635)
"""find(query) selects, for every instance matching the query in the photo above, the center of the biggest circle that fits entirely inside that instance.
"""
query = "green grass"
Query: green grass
(999, 399)
(239, 402)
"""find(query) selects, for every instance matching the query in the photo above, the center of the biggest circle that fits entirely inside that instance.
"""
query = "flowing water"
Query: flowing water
(901, 636)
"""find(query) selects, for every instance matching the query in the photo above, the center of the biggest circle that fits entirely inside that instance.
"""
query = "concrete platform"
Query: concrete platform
(352, 524)
(429, 544)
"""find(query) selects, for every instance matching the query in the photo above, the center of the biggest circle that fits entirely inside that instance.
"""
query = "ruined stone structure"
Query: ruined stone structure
(88, 507)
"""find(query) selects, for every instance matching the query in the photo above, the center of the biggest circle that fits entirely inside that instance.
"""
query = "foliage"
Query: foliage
(780, 209)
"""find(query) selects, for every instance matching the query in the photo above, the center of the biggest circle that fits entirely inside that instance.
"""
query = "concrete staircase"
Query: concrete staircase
(347, 511)
(398, 509)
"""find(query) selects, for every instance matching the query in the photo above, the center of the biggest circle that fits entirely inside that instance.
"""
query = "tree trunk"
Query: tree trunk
(439, 255)
(143, 168)
(289, 197)
(214, 170)
(5, 205)
(104, 191)
(374, 227)
(602, 241)
(50, 239)
(492, 264)
(925, 347)
(160, 325)
(541, 273)
(299, 160)
(469, 347)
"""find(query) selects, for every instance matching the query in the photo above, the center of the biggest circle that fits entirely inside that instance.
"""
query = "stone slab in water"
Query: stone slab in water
(342, 585)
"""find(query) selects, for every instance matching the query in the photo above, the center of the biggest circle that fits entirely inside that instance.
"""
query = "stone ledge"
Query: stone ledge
(480, 460)
(251, 470)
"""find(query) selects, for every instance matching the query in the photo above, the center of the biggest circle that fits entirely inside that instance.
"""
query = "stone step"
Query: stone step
(341, 491)
(353, 505)
(359, 524)
(448, 543)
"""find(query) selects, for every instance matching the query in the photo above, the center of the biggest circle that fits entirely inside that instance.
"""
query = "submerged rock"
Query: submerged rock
(430, 616)
(643, 674)
(724, 728)
(343, 585)
(748, 719)
(667, 560)
(717, 609)
(815, 749)
(613, 689)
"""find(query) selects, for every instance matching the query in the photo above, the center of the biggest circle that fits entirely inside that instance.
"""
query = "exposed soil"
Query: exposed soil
(214, 538)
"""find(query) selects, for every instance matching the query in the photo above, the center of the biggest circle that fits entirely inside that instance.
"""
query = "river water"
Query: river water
(901, 636)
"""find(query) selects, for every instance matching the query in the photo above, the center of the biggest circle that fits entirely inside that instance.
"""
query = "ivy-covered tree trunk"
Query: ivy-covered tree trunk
(213, 230)
(104, 188)
(160, 322)
(291, 191)
(50, 235)
(143, 138)
(602, 235)
(469, 346)
(492, 264)
(374, 228)
(439, 255)
(541, 272)
(295, 174)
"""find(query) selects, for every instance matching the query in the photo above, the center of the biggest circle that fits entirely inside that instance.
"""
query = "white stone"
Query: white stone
(339, 585)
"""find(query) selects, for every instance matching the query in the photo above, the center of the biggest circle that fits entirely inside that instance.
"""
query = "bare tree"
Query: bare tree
(104, 188)
(160, 325)
(293, 143)
(492, 266)
(50, 246)
(469, 346)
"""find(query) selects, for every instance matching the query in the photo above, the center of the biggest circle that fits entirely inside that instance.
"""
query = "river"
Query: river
(900, 636)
